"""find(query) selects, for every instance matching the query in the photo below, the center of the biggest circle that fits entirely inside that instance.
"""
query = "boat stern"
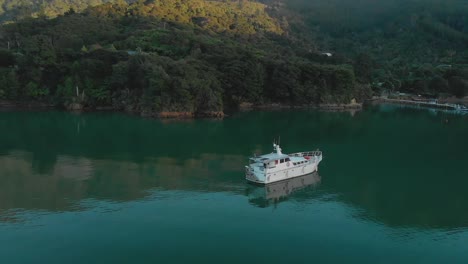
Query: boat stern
(254, 174)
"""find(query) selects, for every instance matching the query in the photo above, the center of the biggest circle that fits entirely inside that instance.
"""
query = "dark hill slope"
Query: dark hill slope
(412, 45)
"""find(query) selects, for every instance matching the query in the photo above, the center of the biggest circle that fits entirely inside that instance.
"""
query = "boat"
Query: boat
(276, 166)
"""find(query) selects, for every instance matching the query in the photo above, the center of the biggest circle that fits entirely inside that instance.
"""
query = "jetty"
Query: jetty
(426, 103)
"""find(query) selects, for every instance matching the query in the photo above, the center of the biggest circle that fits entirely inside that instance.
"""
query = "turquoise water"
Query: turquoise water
(113, 188)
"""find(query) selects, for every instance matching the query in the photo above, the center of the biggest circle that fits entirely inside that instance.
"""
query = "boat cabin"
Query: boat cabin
(270, 160)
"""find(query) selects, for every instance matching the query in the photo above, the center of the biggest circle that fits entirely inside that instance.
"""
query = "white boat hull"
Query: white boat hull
(281, 175)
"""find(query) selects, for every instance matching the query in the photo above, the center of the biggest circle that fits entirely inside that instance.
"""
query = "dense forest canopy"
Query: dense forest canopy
(198, 55)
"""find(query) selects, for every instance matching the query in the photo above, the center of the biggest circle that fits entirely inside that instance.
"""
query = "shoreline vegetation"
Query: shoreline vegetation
(197, 58)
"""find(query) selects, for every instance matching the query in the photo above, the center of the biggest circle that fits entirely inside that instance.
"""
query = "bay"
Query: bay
(114, 188)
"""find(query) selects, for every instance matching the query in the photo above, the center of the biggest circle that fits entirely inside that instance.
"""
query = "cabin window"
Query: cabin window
(276, 161)
(281, 160)
(287, 159)
(294, 163)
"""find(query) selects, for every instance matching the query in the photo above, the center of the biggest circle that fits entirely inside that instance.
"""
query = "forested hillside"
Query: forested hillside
(201, 56)
(170, 55)
(408, 45)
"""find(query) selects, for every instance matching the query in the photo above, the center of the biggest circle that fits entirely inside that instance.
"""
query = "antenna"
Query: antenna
(279, 140)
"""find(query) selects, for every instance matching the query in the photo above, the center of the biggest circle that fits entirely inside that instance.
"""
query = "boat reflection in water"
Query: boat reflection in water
(276, 192)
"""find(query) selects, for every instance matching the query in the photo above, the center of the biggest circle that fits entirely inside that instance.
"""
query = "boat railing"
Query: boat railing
(307, 154)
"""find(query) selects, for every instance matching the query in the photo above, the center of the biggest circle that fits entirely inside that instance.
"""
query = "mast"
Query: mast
(277, 148)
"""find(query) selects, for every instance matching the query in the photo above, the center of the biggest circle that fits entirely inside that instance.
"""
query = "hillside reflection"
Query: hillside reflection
(70, 179)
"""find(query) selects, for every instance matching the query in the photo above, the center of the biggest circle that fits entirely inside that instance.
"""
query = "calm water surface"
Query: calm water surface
(112, 188)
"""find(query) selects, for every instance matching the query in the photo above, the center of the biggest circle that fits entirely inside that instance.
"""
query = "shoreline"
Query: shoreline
(6, 105)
